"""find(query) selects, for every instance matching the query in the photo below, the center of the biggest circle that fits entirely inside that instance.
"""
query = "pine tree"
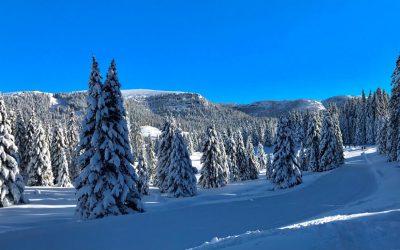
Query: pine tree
(39, 166)
(143, 174)
(312, 143)
(21, 141)
(360, 135)
(328, 145)
(182, 179)
(262, 157)
(268, 168)
(370, 120)
(135, 137)
(394, 120)
(383, 134)
(72, 140)
(108, 185)
(58, 158)
(11, 182)
(213, 172)
(230, 150)
(252, 167)
(188, 142)
(285, 171)
(164, 155)
(334, 113)
(151, 159)
(241, 158)
(86, 149)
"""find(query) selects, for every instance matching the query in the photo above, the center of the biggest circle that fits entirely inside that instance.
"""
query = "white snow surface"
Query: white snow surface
(153, 132)
(356, 206)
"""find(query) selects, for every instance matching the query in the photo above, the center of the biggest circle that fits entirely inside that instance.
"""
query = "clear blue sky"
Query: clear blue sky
(229, 51)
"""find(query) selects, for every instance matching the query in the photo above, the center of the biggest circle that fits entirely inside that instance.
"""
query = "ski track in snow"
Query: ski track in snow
(323, 200)
(372, 222)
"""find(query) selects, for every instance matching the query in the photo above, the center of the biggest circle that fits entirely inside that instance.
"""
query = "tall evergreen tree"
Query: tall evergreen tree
(383, 135)
(86, 149)
(370, 119)
(11, 182)
(21, 141)
(285, 173)
(39, 166)
(252, 164)
(214, 171)
(241, 158)
(230, 150)
(164, 155)
(328, 145)
(394, 112)
(334, 113)
(135, 137)
(108, 185)
(312, 143)
(143, 173)
(360, 135)
(72, 140)
(262, 157)
(151, 159)
(59, 161)
(182, 179)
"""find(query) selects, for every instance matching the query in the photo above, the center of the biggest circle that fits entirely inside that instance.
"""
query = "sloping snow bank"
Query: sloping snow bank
(375, 230)
(370, 223)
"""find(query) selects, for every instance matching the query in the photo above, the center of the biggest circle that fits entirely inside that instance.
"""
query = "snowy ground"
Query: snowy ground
(353, 207)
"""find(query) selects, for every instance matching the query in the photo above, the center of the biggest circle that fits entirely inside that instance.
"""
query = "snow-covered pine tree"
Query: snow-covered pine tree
(57, 142)
(360, 136)
(164, 155)
(59, 161)
(63, 178)
(143, 173)
(262, 157)
(268, 167)
(241, 157)
(213, 172)
(188, 142)
(135, 137)
(151, 159)
(39, 166)
(230, 150)
(72, 140)
(285, 172)
(182, 179)
(302, 158)
(252, 166)
(21, 141)
(328, 145)
(108, 185)
(381, 113)
(86, 149)
(312, 142)
(370, 120)
(383, 134)
(394, 119)
(11, 182)
(334, 113)
(12, 121)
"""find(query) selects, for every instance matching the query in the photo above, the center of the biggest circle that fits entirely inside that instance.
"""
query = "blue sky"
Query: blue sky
(229, 51)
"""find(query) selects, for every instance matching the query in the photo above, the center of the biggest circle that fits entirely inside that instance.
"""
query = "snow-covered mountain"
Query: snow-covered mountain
(140, 94)
(164, 102)
(277, 108)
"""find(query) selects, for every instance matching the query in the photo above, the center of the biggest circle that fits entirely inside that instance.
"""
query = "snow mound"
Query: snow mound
(147, 131)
